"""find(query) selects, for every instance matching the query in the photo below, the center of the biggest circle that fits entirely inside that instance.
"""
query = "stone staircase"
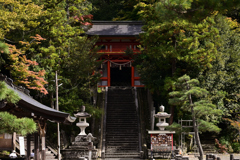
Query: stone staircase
(122, 134)
(208, 142)
(51, 154)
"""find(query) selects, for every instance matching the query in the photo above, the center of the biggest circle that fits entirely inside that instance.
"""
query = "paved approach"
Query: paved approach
(222, 156)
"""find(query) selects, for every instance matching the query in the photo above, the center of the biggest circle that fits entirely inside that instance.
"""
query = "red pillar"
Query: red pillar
(132, 77)
(108, 74)
(172, 140)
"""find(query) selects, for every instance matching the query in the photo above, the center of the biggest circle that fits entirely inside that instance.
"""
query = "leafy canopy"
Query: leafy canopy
(193, 99)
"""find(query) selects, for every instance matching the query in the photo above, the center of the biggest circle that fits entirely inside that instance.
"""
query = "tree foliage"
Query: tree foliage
(60, 27)
(10, 123)
(221, 79)
(193, 99)
(8, 94)
(17, 19)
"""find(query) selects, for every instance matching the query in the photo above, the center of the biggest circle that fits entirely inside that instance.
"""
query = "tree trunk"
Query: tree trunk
(174, 67)
(172, 108)
(195, 127)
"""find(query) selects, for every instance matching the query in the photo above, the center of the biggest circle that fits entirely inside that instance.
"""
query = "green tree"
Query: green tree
(221, 79)
(8, 95)
(17, 21)
(66, 49)
(18, 17)
(8, 122)
(193, 99)
(173, 45)
(116, 10)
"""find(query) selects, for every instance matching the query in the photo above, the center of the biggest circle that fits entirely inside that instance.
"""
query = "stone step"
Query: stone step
(116, 111)
(121, 131)
(109, 135)
(121, 141)
(119, 128)
(119, 92)
(125, 106)
(119, 150)
(126, 150)
(123, 155)
(118, 140)
(123, 121)
(121, 108)
(122, 115)
(116, 120)
(122, 145)
(50, 155)
(121, 104)
(121, 125)
(134, 137)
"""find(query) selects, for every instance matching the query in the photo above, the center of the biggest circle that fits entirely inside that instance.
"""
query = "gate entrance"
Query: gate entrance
(120, 77)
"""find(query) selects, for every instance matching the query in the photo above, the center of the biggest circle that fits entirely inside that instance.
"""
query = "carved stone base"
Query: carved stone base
(79, 149)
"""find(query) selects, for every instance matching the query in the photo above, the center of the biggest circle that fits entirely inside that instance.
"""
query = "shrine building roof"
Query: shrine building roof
(115, 28)
(36, 108)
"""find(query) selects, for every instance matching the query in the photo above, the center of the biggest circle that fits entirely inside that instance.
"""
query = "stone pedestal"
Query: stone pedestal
(161, 140)
(80, 149)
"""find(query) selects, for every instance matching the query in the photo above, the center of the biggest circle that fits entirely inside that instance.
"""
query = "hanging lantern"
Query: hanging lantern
(130, 64)
(101, 65)
(120, 67)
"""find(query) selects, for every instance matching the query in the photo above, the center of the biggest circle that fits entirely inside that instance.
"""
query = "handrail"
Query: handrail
(52, 150)
(137, 110)
(104, 124)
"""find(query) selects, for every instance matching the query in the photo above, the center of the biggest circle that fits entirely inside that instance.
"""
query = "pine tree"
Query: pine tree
(8, 122)
(192, 98)
(173, 45)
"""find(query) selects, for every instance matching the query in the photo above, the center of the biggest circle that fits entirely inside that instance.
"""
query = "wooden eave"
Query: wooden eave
(36, 108)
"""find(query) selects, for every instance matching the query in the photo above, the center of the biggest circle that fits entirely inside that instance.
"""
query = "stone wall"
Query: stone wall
(144, 102)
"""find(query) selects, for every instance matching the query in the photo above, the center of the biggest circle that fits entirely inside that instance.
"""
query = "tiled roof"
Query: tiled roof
(37, 108)
(115, 28)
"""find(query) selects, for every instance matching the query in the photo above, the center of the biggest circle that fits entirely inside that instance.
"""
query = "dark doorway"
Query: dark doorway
(121, 77)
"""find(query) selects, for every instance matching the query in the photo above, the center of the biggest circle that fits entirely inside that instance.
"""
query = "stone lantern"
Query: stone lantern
(162, 118)
(161, 140)
(82, 147)
(82, 120)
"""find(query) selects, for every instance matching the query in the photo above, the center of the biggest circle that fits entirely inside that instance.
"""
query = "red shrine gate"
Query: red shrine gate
(115, 38)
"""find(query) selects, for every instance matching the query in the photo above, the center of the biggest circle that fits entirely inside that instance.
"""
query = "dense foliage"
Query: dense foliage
(193, 99)
(43, 37)
(10, 123)
(193, 37)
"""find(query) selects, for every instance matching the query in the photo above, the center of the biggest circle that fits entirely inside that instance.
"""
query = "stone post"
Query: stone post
(89, 138)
